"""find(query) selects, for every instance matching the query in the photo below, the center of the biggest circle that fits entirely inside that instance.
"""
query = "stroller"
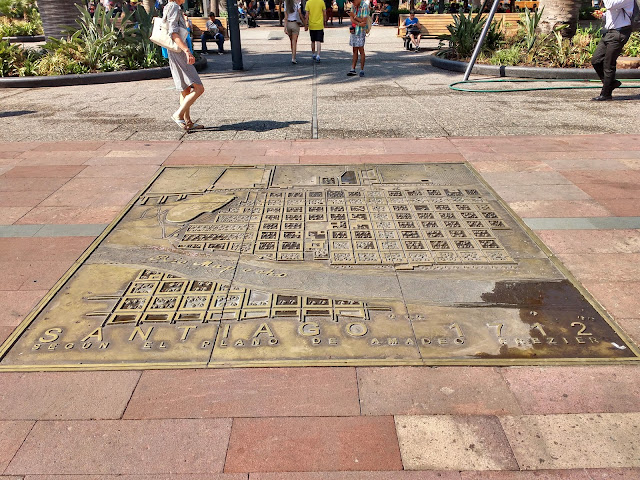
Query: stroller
(242, 17)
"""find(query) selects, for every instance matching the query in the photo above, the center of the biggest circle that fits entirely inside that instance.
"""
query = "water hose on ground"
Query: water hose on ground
(597, 84)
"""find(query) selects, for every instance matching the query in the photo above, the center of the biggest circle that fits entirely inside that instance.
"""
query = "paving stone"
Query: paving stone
(15, 305)
(62, 171)
(258, 160)
(613, 267)
(32, 275)
(313, 444)
(441, 475)
(521, 193)
(193, 159)
(125, 161)
(71, 146)
(446, 391)
(604, 440)
(65, 396)
(124, 447)
(558, 208)
(210, 476)
(588, 389)
(126, 171)
(12, 434)
(251, 392)
(491, 164)
(619, 298)
(622, 207)
(578, 474)
(614, 474)
(43, 184)
(42, 249)
(525, 178)
(631, 326)
(70, 215)
(22, 199)
(589, 241)
(453, 443)
(4, 333)
(610, 191)
(10, 215)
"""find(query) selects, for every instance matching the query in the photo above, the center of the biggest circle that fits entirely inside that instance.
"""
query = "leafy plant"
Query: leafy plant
(632, 48)
(529, 24)
(15, 28)
(465, 32)
(507, 56)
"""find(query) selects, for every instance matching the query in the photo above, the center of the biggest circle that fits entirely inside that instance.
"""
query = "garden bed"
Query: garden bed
(93, 78)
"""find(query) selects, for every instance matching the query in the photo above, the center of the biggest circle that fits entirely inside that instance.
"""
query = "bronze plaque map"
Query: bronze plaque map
(315, 265)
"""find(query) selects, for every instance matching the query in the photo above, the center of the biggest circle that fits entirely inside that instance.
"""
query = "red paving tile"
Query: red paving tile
(263, 159)
(43, 248)
(12, 434)
(32, 275)
(119, 171)
(579, 474)
(559, 208)
(70, 146)
(65, 396)
(63, 171)
(313, 444)
(520, 193)
(433, 475)
(611, 191)
(125, 161)
(123, 447)
(17, 146)
(410, 158)
(612, 178)
(252, 392)
(190, 159)
(588, 389)
(628, 207)
(619, 298)
(4, 333)
(614, 474)
(603, 267)
(41, 184)
(69, 215)
(491, 165)
(10, 215)
(53, 158)
(15, 305)
(140, 146)
(182, 476)
(22, 199)
(631, 327)
(443, 391)
(591, 241)
(200, 146)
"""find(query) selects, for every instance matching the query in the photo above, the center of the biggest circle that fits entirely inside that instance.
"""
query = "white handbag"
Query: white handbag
(160, 35)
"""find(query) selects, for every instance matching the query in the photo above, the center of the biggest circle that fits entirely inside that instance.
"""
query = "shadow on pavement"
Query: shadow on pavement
(251, 126)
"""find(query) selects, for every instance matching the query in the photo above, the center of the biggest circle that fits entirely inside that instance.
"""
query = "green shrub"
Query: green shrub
(16, 28)
(632, 48)
(507, 56)
(465, 32)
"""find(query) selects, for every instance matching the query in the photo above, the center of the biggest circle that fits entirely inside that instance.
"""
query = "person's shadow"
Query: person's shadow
(251, 126)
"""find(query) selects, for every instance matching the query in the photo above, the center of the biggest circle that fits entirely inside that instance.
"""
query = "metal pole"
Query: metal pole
(483, 35)
(234, 34)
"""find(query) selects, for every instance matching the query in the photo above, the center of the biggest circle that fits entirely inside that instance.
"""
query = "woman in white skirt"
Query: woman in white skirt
(184, 74)
(295, 19)
(359, 14)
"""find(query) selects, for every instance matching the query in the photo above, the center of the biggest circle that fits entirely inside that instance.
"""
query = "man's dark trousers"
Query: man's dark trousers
(218, 37)
(605, 57)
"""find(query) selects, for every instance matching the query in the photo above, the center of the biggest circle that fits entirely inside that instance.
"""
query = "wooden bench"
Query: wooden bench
(435, 24)
(199, 25)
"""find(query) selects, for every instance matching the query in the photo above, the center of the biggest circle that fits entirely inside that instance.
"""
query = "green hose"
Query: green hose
(532, 89)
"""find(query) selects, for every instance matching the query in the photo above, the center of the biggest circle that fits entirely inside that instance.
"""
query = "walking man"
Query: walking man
(316, 18)
(616, 32)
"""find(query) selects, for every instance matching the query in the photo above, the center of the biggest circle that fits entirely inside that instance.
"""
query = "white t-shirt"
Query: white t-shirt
(294, 17)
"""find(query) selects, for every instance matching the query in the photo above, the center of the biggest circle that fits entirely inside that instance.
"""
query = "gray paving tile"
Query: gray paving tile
(18, 230)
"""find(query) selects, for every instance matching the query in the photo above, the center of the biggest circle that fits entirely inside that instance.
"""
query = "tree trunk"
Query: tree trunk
(148, 5)
(441, 6)
(58, 14)
(560, 12)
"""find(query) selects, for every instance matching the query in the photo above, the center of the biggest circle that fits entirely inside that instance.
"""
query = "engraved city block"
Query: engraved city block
(315, 265)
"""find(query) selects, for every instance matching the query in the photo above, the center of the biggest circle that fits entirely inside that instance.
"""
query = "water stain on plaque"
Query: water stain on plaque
(560, 320)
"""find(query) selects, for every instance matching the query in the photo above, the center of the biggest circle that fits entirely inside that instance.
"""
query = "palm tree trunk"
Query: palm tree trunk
(558, 13)
(58, 14)
(148, 5)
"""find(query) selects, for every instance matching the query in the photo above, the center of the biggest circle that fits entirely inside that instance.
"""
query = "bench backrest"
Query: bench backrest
(434, 25)
(200, 25)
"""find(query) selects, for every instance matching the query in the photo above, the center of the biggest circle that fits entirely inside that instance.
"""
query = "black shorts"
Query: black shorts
(317, 35)
(414, 31)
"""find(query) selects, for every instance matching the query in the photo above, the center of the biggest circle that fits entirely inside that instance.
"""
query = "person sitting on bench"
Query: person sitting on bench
(413, 30)
(215, 31)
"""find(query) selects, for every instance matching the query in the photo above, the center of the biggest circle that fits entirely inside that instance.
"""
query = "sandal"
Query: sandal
(194, 126)
(181, 123)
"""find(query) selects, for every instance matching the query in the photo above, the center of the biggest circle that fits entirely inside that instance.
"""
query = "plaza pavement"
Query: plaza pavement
(71, 165)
